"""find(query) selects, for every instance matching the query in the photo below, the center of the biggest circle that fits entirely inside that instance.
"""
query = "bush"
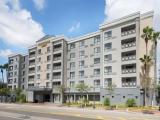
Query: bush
(131, 102)
(106, 102)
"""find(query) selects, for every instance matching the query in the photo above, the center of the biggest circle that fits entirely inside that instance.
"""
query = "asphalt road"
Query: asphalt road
(51, 112)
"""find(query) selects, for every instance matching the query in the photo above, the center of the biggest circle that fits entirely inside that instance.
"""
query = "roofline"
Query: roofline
(89, 35)
(119, 20)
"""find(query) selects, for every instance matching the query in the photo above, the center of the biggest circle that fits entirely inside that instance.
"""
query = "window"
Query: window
(96, 71)
(23, 66)
(72, 74)
(96, 60)
(97, 50)
(97, 39)
(47, 84)
(108, 57)
(38, 76)
(81, 53)
(38, 68)
(15, 73)
(108, 34)
(39, 59)
(108, 69)
(108, 82)
(81, 73)
(81, 63)
(15, 80)
(39, 51)
(72, 55)
(72, 83)
(108, 46)
(81, 82)
(72, 45)
(48, 49)
(48, 66)
(48, 76)
(72, 65)
(23, 73)
(97, 83)
(81, 43)
(15, 67)
(49, 58)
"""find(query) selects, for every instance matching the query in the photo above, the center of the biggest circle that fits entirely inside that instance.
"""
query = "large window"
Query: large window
(48, 57)
(108, 46)
(48, 76)
(81, 73)
(96, 60)
(81, 63)
(108, 82)
(97, 71)
(81, 43)
(72, 74)
(72, 45)
(97, 50)
(97, 83)
(81, 53)
(97, 39)
(108, 57)
(108, 34)
(72, 55)
(108, 69)
(72, 65)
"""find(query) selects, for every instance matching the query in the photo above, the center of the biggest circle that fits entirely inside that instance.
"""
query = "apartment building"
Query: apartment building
(17, 71)
(100, 59)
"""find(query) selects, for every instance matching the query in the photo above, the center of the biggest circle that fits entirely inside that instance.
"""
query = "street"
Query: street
(51, 112)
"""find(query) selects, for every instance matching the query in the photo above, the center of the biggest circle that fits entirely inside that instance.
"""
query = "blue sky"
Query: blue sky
(69, 17)
(22, 22)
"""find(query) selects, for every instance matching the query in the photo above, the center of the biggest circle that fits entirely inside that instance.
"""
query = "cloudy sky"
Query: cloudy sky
(22, 22)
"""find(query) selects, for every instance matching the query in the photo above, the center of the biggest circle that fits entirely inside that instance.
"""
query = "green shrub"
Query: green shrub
(131, 102)
(106, 102)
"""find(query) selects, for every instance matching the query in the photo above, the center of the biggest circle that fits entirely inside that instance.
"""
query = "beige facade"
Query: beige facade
(108, 56)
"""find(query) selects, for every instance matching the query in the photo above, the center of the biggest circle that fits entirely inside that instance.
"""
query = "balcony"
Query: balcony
(31, 71)
(128, 71)
(30, 79)
(32, 56)
(129, 82)
(131, 29)
(56, 58)
(129, 55)
(128, 45)
(127, 58)
(57, 67)
(57, 77)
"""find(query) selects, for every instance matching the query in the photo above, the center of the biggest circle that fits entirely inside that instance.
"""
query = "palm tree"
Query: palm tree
(1, 69)
(155, 39)
(146, 60)
(110, 88)
(147, 35)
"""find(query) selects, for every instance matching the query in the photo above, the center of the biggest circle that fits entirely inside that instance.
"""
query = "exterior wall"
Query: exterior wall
(126, 49)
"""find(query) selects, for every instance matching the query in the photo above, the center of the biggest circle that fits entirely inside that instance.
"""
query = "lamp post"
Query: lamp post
(94, 106)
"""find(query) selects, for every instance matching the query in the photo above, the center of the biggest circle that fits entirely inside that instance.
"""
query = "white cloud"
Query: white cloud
(5, 53)
(39, 4)
(17, 26)
(118, 8)
(74, 27)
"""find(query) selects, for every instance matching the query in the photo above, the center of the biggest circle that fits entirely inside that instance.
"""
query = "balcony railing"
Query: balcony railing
(31, 56)
(125, 33)
(33, 63)
(127, 58)
(56, 58)
(57, 49)
(128, 71)
(127, 45)
(56, 67)
(57, 77)
(31, 79)
(31, 71)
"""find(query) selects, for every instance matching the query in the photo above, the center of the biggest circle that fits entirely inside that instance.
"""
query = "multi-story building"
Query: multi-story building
(17, 71)
(108, 56)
